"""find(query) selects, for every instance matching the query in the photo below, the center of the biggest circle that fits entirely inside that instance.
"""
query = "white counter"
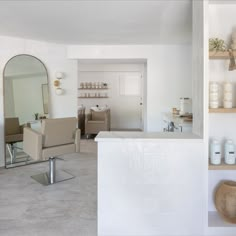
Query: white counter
(143, 136)
(150, 184)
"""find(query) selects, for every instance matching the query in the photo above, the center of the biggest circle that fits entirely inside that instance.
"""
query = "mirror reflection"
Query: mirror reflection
(25, 103)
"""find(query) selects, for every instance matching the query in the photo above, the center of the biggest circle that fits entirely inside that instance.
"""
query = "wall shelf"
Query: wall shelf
(222, 110)
(92, 88)
(221, 166)
(220, 55)
(214, 220)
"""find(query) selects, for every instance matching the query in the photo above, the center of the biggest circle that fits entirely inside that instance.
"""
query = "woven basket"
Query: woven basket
(225, 201)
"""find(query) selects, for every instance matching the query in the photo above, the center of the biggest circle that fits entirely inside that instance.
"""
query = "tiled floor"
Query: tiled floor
(67, 208)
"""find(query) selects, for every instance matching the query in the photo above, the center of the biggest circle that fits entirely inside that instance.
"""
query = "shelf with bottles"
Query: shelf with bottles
(93, 86)
(221, 166)
(216, 162)
(92, 97)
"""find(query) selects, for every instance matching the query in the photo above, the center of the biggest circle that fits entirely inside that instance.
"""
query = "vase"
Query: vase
(225, 201)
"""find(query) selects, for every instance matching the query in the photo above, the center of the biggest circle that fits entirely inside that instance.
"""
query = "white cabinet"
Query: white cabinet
(150, 184)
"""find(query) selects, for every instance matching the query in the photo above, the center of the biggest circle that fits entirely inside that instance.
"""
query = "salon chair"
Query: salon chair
(97, 121)
(13, 135)
(57, 137)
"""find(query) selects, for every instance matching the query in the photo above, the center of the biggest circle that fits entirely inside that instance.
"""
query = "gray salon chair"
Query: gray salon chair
(57, 137)
(13, 135)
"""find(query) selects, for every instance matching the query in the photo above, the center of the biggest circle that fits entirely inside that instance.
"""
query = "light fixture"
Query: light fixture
(57, 83)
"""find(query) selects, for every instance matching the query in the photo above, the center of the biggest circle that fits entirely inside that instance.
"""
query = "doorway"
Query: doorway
(125, 94)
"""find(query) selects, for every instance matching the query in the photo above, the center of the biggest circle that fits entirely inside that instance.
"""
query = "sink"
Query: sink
(99, 108)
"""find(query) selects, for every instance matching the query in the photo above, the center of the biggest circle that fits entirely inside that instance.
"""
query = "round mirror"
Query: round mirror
(25, 102)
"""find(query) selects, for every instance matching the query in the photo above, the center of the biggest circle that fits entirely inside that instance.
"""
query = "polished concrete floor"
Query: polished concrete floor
(68, 208)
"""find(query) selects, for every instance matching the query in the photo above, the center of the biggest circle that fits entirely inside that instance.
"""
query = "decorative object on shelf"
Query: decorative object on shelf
(57, 83)
(225, 201)
(214, 95)
(228, 95)
(216, 44)
(215, 152)
(232, 64)
(104, 85)
(233, 37)
(185, 106)
(229, 152)
(36, 116)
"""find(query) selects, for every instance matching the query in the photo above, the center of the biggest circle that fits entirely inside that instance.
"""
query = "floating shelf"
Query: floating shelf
(214, 220)
(222, 110)
(93, 97)
(220, 55)
(221, 166)
(92, 88)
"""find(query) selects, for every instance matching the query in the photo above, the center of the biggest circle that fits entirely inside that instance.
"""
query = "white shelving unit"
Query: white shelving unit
(220, 122)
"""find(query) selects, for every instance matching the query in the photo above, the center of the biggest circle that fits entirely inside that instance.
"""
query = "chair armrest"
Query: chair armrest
(77, 140)
(32, 143)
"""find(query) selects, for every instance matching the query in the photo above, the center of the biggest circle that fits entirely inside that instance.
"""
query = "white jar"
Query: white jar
(213, 87)
(185, 106)
(228, 104)
(229, 152)
(215, 152)
(214, 96)
(214, 104)
(228, 87)
(228, 96)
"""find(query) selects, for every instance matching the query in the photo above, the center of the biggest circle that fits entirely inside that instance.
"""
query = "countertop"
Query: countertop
(178, 121)
(144, 136)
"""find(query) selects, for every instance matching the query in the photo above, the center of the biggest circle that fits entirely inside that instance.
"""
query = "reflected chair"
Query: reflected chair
(97, 121)
(81, 119)
(57, 137)
(13, 135)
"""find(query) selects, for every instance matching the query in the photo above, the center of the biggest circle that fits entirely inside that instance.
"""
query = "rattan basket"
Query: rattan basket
(225, 201)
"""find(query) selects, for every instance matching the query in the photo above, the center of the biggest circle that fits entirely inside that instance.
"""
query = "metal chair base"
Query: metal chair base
(44, 179)
(52, 176)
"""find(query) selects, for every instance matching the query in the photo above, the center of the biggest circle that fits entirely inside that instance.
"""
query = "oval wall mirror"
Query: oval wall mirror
(26, 102)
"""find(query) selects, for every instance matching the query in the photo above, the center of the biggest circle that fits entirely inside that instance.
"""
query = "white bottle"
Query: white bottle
(215, 152)
(229, 152)
(185, 106)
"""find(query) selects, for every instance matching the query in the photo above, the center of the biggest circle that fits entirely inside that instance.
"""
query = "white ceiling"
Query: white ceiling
(98, 22)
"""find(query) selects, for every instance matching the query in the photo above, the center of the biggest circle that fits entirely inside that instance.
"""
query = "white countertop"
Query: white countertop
(143, 136)
(178, 121)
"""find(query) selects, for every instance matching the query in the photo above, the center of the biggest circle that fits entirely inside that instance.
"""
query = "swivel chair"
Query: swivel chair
(57, 137)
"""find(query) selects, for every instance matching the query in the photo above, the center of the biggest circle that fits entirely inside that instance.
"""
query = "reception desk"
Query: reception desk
(150, 184)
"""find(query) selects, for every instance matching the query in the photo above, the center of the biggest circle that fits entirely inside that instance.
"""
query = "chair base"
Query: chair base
(44, 178)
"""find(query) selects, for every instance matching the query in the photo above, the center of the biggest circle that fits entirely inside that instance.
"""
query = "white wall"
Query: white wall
(54, 58)
(168, 73)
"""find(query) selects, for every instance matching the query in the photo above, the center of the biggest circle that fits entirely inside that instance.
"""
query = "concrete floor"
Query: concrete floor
(68, 208)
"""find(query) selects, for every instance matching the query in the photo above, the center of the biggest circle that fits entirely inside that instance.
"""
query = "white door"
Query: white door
(128, 109)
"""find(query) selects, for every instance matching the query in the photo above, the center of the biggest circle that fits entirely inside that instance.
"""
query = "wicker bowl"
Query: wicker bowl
(225, 201)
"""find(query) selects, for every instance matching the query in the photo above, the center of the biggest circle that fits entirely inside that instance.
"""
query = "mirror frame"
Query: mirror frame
(3, 76)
